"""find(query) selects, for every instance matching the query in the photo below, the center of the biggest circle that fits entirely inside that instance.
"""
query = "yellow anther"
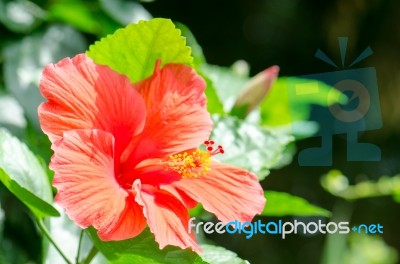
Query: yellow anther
(191, 165)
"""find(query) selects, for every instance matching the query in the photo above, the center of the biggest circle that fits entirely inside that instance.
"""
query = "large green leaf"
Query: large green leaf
(24, 61)
(23, 175)
(143, 250)
(220, 255)
(134, 50)
(282, 106)
(249, 146)
(283, 204)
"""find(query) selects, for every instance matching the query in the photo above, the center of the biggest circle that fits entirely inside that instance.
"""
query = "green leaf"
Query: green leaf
(214, 104)
(226, 82)
(20, 16)
(248, 145)
(283, 204)
(124, 11)
(24, 176)
(338, 184)
(282, 106)
(12, 115)
(197, 52)
(134, 50)
(220, 255)
(24, 61)
(396, 198)
(143, 249)
(66, 234)
(75, 13)
(363, 248)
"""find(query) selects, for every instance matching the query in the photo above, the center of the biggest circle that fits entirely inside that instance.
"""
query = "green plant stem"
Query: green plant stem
(91, 255)
(335, 244)
(47, 234)
(79, 247)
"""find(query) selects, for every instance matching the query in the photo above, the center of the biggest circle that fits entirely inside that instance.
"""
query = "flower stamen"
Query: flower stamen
(194, 164)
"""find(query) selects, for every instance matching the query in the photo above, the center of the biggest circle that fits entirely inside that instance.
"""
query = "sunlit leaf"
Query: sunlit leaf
(24, 176)
(143, 249)
(249, 146)
(220, 255)
(283, 204)
(134, 50)
(24, 62)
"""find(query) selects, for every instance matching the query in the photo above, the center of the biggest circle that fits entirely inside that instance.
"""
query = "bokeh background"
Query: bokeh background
(262, 33)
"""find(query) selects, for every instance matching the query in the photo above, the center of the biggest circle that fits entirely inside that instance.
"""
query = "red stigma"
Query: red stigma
(209, 147)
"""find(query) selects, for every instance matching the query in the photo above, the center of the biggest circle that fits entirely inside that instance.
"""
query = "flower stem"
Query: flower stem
(47, 234)
(79, 247)
(91, 255)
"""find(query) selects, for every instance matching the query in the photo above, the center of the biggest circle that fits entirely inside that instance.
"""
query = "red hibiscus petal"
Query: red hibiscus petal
(177, 118)
(131, 222)
(182, 196)
(83, 95)
(83, 163)
(166, 216)
(150, 171)
(229, 192)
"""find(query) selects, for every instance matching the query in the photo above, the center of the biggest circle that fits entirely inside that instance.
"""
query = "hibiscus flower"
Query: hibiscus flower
(126, 155)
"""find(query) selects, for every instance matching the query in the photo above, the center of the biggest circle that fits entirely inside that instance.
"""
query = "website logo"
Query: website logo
(361, 113)
(280, 228)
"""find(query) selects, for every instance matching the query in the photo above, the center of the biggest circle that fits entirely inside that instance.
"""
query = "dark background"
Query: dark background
(288, 33)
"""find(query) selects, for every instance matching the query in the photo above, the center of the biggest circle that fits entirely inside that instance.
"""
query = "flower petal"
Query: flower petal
(150, 171)
(176, 115)
(83, 95)
(166, 216)
(131, 222)
(229, 192)
(83, 163)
